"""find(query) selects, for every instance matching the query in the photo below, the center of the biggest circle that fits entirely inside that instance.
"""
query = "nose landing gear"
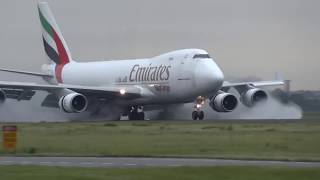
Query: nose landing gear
(198, 114)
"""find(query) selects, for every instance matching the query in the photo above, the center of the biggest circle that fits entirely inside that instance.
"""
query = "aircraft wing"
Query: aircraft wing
(255, 84)
(110, 91)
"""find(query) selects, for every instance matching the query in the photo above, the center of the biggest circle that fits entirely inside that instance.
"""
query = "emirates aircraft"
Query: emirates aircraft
(133, 86)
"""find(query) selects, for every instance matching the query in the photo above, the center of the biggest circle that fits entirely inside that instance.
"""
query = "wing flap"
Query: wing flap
(19, 94)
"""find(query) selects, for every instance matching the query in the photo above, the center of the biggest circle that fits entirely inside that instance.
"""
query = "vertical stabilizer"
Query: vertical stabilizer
(55, 46)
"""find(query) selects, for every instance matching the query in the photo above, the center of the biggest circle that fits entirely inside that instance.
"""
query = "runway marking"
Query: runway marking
(65, 163)
(45, 162)
(7, 161)
(128, 164)
(143, 162)
(86, 163)
(107, 163)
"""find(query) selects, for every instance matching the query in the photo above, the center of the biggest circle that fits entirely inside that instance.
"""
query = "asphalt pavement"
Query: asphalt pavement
(125, 162)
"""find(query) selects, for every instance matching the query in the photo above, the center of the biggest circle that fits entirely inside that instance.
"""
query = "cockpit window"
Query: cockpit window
(201, 56)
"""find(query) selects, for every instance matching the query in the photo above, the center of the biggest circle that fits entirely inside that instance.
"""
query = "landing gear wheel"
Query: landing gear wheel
(194, 115)
(197, 115)
(135, 115)
(132, 115)
(140, 116)
(201, 115)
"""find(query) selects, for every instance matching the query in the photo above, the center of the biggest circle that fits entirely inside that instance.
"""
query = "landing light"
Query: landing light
(122, 91)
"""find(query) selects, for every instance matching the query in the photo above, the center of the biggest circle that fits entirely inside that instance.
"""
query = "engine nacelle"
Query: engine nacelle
(73, 103)
(250, 97)
(224, 102)
(3, 96)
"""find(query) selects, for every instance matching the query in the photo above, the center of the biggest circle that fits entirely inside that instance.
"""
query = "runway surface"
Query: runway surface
(125, 162)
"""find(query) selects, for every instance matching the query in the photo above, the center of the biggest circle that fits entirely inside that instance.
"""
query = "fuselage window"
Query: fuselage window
(201, 56)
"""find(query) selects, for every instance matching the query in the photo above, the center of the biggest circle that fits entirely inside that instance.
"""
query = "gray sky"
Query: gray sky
(247, 37)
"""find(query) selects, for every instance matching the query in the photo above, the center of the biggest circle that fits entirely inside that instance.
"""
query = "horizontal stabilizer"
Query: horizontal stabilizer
(25, 72)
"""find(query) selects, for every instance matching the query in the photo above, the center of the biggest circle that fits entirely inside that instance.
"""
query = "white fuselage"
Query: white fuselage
(174, 77)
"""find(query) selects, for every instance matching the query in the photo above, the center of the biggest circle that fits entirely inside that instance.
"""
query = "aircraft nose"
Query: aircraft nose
(209, 77)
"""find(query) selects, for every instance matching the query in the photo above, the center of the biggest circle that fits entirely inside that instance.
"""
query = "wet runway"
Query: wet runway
(126, 162)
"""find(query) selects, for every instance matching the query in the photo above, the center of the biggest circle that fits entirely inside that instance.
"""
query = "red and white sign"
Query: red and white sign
(9, 137)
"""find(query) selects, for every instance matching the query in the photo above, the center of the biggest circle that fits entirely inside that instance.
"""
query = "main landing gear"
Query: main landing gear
(198, 114)
(136, 113)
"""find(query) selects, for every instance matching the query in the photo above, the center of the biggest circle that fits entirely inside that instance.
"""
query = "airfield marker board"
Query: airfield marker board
(9, 135)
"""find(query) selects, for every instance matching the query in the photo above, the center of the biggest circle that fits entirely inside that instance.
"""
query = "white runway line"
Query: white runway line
(65, 163)
(107, 163)
(25, 162)
(130, 164)
(45, 162)
(86, 163)
(6, 161)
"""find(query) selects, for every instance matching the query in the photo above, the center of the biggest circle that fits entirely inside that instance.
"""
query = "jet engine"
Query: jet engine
(224, 102)
(73, 103)
(250, 97)
(3, 96)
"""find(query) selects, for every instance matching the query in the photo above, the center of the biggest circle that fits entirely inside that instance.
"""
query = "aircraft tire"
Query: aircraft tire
(140, 116)
(136, 115)
(201, 115)
(131, 116)
(194, 115)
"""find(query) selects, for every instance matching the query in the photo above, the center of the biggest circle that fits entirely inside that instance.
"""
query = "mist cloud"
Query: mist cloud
(270, 109)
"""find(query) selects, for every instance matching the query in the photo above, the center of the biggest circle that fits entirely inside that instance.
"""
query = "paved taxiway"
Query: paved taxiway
(143, 162)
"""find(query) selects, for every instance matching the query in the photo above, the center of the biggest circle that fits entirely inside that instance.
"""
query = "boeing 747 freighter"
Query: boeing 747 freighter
(182, 76)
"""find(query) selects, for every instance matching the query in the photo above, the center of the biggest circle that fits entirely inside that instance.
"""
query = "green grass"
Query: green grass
(311, 115)
(297, 140)
(185, 173)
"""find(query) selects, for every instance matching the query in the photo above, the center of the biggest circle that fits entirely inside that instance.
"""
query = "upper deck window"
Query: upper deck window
(201, 56)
